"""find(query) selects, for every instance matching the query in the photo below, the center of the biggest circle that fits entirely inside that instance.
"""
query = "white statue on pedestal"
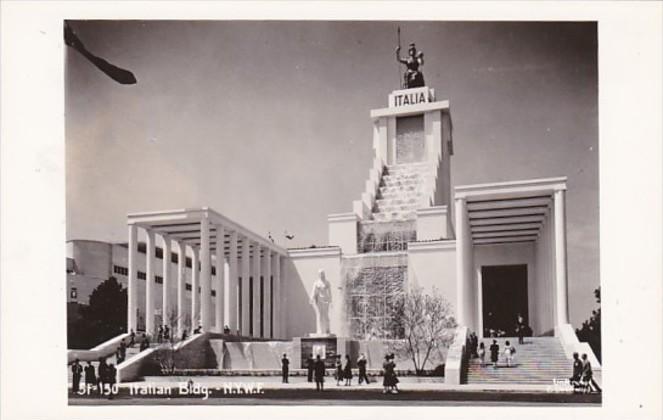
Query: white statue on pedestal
(321, 299)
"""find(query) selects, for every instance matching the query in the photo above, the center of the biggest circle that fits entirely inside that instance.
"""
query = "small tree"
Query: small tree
(425, 322)
(590, 332)
(103, 318)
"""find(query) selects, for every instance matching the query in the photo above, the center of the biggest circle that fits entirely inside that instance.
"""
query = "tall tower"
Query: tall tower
(409, 181)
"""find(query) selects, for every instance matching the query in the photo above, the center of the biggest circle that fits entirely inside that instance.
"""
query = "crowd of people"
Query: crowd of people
(583, 376)
(343, 374)
(98, 380)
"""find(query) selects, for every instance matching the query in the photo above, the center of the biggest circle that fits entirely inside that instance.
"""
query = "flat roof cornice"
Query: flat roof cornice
(511, 188)
(152, 219)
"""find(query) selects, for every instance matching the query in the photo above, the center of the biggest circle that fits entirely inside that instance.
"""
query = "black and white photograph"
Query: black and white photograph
(338, 212)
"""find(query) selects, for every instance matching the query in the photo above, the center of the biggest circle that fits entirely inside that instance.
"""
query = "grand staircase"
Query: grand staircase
(403, 189)
(539, 361)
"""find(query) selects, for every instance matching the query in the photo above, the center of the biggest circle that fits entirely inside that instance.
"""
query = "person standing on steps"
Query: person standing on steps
(319, 368)
(494, 353)
(520, 329)
(509, 351)
(285, 368)
(482, 354)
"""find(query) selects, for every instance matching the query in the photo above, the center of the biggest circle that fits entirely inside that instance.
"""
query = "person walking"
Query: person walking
(588, 376)
(361, 364)
(494, 353)
(339, 371)
(310, 366)
(319, 370)
(77, 371)
(390, 380)
(132, 338)
(576, 377)
(482, 354)
(285, 368)
(166, 333)
(347, 371)
(509, 351)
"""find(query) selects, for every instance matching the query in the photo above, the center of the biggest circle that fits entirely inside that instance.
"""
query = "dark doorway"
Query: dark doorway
(504, 289)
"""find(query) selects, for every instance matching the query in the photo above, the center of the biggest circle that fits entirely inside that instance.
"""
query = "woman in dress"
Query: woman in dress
(347, 371)
(390, 379)
(482, 353)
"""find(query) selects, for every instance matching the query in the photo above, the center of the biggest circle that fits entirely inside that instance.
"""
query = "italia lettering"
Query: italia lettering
(409, 99)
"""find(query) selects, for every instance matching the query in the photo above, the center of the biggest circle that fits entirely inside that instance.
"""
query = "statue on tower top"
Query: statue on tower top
(413, 76)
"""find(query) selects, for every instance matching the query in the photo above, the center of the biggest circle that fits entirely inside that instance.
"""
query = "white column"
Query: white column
(276, 312)
(232, 305)
(149, 282)
(461, 251)
(166, 285)
(257, 273)
(132, 286)
(220, 278)
(560, 259)
(205, 276)
(245, 287)
(195, 283)
(267, 293)
(181, 287)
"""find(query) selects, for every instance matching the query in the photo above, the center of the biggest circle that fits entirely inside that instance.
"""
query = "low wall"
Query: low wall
(571, 343)
(104, 349)
(453, 368)
(194, 353)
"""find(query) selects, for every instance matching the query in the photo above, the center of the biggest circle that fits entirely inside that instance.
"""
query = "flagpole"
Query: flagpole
(398, 64)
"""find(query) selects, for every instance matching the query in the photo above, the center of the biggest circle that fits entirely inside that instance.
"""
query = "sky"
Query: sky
(268, 122)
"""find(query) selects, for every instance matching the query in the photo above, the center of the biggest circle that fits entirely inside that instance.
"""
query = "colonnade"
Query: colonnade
(247, 278)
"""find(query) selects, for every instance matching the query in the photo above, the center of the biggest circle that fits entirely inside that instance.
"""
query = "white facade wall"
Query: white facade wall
(300, 272)
(433, 265)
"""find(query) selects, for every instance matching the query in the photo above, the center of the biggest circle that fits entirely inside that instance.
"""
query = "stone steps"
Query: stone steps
(541, 360)
(401, 191)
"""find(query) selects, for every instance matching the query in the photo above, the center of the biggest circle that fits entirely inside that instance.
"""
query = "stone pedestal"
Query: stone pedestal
(328, 346)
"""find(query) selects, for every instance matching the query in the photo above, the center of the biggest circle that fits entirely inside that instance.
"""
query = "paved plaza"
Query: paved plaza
(252, 390)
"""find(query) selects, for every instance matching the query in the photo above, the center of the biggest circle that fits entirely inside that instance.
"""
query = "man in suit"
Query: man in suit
(76, 370)
(577, 371)
(319, 370)
(285, 367)
(361, 364)
(310, 367)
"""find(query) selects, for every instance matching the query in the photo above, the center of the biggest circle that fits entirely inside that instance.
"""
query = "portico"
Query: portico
(513, 224)
(235, 274)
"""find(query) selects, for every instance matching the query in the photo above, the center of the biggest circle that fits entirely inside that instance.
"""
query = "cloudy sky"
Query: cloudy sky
(268, 122)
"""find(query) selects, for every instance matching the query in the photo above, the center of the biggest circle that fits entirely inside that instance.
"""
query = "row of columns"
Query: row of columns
(464, 261)
(235, 271)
